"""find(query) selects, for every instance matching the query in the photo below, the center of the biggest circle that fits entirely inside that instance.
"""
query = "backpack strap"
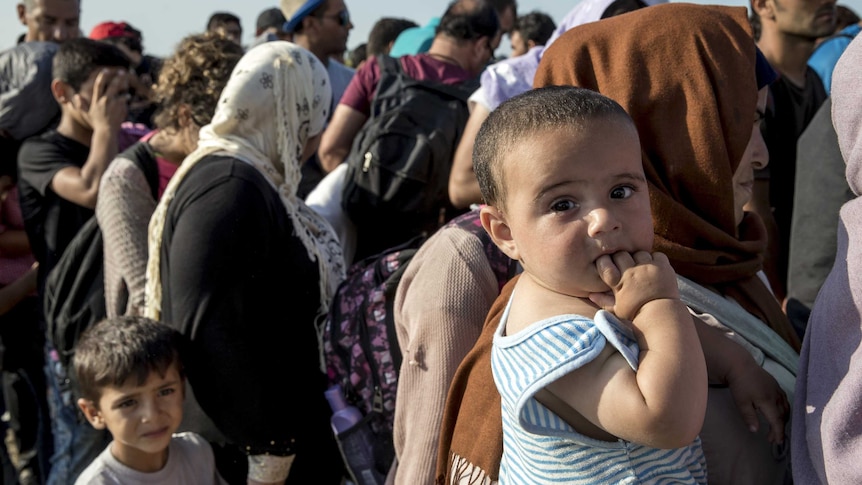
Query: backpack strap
(389, 65)
(143, 155)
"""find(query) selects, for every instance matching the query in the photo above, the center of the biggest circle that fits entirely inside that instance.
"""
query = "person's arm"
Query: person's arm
(753, 389)
(15, 292)
(663, 404)
(124, 208)
(107, 111)
(13, 242)
(338, 136)
(434, 335)
(463, 186)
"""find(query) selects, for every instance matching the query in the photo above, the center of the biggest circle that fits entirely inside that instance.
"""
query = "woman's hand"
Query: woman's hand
(755, 390)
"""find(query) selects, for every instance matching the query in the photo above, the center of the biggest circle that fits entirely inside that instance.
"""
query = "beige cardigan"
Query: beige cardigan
(440, 307)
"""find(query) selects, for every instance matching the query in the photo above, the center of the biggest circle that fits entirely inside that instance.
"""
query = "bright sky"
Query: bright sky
(164, 22)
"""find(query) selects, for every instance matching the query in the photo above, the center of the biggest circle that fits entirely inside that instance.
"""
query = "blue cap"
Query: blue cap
(304, 11)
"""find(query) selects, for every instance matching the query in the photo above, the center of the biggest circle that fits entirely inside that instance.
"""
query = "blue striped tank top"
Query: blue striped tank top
(539, 447)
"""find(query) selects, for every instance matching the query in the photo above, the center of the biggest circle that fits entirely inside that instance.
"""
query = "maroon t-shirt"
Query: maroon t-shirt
(360, 91)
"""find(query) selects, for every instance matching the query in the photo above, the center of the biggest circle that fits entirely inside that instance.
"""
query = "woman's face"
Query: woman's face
(755, 157)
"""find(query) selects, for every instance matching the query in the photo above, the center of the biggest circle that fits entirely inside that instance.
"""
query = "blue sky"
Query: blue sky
(165, 22)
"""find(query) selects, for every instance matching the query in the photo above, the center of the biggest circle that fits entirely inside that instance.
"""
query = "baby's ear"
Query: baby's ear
(494, 222)
(92, 413)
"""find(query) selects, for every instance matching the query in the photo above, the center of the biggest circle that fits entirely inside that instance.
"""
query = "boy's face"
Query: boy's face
(573, 195)
(518, 44)
(79, 102)
(141, 418)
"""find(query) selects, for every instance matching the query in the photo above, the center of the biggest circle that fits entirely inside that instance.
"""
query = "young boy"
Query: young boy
(58, 179)
(596, 359)
(130, 379)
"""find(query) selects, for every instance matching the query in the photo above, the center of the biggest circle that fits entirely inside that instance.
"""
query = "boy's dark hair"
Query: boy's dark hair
(78, 58)
(269, 18)
(524, 115)
(844, 17)
(117, 349)
(384, 32)
(536, 26)
(194, 76)
(221, 18)
(754, 20)
(469, 20)
(501, 6)
(619, 7)
(357, 55)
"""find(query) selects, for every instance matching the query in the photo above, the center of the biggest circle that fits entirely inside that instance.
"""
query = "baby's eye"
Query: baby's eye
(127, 403)
(167, 391)
(562, 205)
(623, 192)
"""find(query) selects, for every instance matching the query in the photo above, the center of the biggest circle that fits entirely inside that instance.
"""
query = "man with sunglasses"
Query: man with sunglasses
(322, 27)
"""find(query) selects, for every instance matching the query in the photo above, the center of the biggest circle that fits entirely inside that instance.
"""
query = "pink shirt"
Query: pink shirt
(360, 91)
(12, 268)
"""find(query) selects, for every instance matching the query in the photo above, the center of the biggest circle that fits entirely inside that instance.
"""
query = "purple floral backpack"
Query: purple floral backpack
(360, 345)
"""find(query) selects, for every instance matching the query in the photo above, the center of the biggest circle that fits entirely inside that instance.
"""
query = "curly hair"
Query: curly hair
(194, 76)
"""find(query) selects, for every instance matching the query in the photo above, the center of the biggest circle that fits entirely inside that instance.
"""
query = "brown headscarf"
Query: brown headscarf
(686, 75)
(471, 433)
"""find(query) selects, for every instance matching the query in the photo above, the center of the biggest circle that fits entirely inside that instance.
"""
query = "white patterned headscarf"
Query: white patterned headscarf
(277, 97)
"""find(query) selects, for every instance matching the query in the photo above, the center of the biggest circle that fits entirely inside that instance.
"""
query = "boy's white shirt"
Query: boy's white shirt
(188, 455)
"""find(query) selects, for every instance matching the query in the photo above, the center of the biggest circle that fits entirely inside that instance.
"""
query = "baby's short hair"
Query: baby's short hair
(521, 117)
(116, 349)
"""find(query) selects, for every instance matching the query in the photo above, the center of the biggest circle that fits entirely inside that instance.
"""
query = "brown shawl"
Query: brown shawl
(685, 73)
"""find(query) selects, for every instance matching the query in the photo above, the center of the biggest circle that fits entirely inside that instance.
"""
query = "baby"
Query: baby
(597, 361)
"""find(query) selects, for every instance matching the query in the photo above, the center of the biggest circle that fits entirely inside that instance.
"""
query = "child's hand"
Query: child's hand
(110, 103)
(634, 279)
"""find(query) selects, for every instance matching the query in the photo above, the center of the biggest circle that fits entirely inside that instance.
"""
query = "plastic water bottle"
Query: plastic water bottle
(355, 439)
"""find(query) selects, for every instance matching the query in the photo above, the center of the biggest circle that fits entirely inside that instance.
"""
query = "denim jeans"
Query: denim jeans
(76, 442)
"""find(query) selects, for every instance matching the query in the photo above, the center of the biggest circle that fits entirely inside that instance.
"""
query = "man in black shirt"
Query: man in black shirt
(786, 33)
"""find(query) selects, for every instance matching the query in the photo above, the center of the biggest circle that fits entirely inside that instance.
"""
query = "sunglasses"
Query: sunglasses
(342, 17)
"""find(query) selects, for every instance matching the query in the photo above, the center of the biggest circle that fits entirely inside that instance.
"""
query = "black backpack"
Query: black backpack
(398, 167)
(74, 295)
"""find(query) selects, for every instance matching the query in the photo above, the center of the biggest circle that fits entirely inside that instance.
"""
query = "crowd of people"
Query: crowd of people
(671, 187)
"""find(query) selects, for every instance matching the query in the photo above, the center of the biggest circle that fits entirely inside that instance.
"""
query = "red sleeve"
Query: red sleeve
(360, 91)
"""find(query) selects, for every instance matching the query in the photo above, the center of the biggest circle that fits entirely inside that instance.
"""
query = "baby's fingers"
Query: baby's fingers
(642, 257)
(608, 270)
(605, 301)
(623, 260)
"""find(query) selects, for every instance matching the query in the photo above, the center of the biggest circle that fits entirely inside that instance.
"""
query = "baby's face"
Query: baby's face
(573, 195)
(142, 418)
